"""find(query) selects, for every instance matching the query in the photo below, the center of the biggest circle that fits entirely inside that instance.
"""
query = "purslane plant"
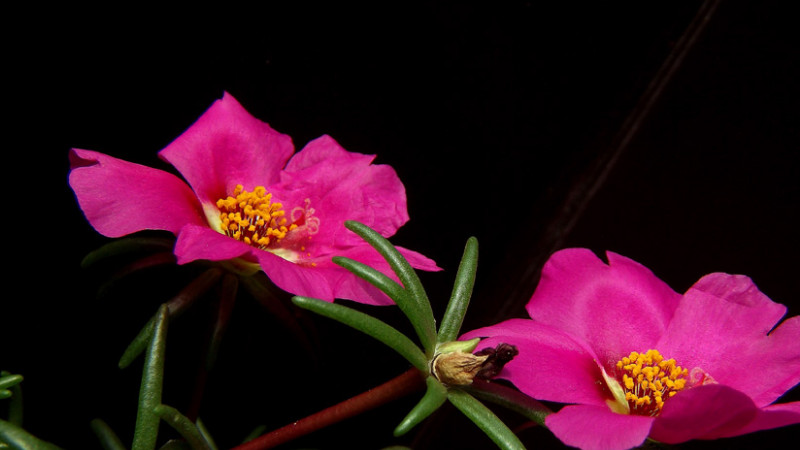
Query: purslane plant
(634, 359)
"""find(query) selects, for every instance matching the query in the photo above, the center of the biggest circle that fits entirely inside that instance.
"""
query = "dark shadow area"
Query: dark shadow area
(495, 116)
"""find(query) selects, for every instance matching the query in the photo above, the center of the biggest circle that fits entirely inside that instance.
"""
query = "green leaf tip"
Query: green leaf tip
(182, 425)
(108, 439)
(7, 381)
(462, 293)
(18, 438)
(423, 317)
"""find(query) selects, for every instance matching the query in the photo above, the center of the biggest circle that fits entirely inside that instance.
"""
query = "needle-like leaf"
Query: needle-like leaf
(396, 292)
(182, 425)
(368, 325)
(485, 419)
(108, 439)
(462, 292)
(17, 438)
(434, 397)
(407, 276)
(147, 421)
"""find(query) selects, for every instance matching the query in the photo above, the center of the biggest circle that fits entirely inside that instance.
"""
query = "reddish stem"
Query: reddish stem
(410, 381)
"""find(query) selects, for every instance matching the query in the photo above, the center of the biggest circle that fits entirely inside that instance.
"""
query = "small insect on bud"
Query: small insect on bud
(459, 368)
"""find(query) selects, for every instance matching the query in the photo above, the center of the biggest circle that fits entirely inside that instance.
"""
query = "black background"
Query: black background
(500, 117)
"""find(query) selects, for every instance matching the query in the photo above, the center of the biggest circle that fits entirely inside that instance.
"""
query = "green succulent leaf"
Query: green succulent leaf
(434, 397)
(462, 292)
(408, 277)
(7, 381)
(147, 421)
(19, 439)
(108, 439)
(11, 388)
(206, 435)
(396, 292)
(183, 425)
(485, 419)
(368, 325)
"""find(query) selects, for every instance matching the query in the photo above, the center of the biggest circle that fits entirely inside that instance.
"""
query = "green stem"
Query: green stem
(227, 296)
(410, 381)
(175, 307)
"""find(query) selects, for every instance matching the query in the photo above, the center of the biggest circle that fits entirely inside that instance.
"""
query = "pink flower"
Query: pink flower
(251, 202)
(708, 364)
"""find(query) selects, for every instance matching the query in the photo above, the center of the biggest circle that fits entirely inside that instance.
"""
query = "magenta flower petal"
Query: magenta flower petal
(722, 328)
(302, 279)
(252, 206)
(227, 146)
(705, 412)
(342, 186)
(772, 416)
(335, 281)
(704, 365)
(597, 428)
(119, 197)
(202, 243)
(614, 307)
(551, 365)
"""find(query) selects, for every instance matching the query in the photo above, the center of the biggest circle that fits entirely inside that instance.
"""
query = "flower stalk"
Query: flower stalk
(410, 381)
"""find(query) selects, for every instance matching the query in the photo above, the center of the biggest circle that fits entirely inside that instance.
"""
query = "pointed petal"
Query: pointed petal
(550, 365)
(592, 427)
(227, 146)
(120, 197)
(341, 186)
(617, 307)
(722, 327)
(418, 260)
(704, 412)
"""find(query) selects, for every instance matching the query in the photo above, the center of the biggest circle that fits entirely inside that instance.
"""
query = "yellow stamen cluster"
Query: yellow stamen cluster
(649, 379)
(252, 218)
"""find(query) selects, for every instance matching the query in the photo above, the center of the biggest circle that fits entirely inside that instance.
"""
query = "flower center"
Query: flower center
(252, 217)
(648, 380)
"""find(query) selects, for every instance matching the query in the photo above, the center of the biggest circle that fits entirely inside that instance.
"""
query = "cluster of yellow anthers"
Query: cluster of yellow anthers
(649, 379)
(252, 218)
